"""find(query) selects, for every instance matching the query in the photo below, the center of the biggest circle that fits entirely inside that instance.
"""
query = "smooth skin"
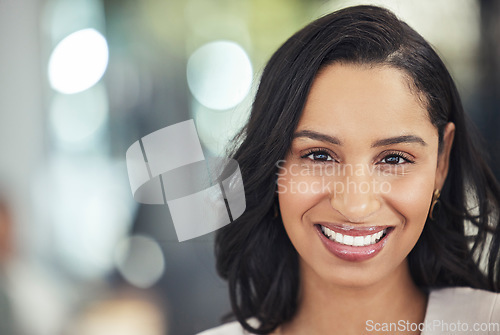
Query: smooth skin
(370, 119)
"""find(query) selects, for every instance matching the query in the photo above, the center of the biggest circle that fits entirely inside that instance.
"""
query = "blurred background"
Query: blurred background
(82, 80)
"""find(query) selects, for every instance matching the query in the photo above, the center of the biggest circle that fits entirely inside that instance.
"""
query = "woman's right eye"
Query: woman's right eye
(318, 156)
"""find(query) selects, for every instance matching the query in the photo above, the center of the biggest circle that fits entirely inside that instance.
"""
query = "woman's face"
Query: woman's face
(356, 186)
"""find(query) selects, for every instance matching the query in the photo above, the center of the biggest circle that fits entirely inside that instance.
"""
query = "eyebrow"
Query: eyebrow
(398, 140)
(380, 143)
(317, 136)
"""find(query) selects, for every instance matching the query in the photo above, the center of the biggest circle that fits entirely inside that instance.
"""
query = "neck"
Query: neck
(326, 308)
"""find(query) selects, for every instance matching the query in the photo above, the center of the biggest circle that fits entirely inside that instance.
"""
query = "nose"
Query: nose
(355, 198)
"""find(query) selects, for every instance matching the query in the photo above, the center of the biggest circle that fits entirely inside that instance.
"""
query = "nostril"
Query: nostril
(355, 208)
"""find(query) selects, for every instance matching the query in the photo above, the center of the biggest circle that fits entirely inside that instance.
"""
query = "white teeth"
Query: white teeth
(357, 241)
(348, 239)
(327, 232)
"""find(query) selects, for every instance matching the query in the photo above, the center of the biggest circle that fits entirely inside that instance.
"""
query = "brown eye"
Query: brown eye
(395, 159)
(319, 156)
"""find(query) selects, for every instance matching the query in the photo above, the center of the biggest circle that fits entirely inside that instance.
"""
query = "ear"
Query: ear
(444, 156)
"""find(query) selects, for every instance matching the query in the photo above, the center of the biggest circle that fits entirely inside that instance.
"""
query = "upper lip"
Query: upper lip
(354, 230)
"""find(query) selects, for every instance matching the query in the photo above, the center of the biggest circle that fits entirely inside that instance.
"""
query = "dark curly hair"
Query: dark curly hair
(255, 255)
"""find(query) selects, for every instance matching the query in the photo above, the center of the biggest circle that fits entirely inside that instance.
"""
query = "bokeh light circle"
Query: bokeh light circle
(219, 74)
(140, 260)
(77, 117)
(78, 62)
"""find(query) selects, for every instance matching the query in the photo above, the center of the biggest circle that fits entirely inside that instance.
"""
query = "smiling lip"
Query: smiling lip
(354, 244)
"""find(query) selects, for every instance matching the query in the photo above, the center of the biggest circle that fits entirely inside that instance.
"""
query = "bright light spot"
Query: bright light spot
(78, 62)
(90, 212)
(77, 117)
(140, 260)
(216, 129)
(219, 74)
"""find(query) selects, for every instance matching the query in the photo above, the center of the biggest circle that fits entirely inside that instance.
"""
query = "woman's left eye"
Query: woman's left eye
(395, 159)
(318, 156)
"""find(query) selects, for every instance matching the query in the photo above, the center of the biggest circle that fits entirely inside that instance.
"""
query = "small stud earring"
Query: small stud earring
(276, 210)
(435, 200)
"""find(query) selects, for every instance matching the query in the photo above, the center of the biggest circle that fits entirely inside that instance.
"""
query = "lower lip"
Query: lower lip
(351, 253)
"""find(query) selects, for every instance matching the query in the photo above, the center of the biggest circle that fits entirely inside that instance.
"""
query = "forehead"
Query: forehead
(364, 100)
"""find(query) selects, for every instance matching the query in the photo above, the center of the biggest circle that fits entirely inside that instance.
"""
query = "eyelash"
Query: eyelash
(407, 158)
(318, 151)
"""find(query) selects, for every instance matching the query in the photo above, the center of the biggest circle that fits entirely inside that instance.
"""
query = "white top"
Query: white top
(456, 310)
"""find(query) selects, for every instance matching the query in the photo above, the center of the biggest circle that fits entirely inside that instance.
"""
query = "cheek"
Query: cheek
(299, 191)
(410, 198)
(296, 195)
